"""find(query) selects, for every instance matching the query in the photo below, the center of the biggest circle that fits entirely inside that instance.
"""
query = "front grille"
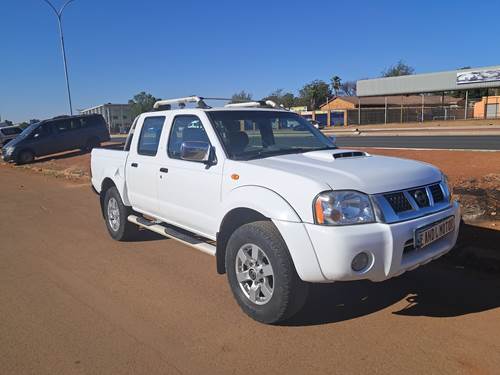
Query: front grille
(398, 202)
(437, 193)
(420, 197)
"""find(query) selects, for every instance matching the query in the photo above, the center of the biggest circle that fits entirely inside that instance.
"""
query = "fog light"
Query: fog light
(360, 262)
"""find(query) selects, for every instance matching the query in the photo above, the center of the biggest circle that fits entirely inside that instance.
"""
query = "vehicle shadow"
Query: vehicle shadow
(464, 281)
(435, 290)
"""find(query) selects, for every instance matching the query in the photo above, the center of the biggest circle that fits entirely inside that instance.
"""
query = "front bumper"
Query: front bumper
(335, 248)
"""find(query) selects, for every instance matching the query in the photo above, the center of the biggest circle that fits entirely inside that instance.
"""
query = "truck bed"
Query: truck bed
(106, 163)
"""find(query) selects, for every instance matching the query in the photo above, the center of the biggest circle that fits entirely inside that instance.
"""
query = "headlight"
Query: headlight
(8, 151)
(343, 207)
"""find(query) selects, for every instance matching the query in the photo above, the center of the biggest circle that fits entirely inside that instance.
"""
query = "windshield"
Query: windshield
(258, 134)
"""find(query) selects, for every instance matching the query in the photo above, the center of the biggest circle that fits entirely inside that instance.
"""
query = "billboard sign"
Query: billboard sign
(478, 76)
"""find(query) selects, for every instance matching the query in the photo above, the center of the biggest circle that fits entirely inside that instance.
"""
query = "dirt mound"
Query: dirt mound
(480, 197)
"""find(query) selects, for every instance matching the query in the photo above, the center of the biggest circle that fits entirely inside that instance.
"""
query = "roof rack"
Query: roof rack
(200, 103)
(253, 104)
(165, 104)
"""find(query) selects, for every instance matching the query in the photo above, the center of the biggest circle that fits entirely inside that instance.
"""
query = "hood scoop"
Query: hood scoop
(349, 154)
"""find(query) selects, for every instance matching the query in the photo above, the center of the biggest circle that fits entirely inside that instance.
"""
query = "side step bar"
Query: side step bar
(175, 233)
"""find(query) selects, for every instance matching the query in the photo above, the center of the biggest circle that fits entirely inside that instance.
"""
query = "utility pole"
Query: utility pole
(58, 14)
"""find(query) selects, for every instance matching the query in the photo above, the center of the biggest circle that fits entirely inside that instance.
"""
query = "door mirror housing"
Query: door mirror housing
(195, 151)
(332, 138)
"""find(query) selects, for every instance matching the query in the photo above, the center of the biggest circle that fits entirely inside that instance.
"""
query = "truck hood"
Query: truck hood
(370, 174)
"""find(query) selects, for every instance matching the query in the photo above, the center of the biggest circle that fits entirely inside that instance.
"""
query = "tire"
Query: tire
(91, 144)
(25, 157)
(115, 216)
(269, 289)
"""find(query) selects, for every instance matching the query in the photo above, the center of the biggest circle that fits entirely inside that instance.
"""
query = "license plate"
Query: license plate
(433, 232)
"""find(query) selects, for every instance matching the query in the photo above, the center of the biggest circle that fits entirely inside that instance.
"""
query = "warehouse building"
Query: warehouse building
(453, 95)
(117, 116)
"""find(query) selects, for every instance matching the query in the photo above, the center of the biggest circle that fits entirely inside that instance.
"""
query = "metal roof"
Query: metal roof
(463, 79)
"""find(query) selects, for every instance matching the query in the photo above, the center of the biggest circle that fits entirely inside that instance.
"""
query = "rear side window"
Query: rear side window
(62, 126)
(150, 135)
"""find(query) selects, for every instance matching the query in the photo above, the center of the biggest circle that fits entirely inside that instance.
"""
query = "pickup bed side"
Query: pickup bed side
(109, 165)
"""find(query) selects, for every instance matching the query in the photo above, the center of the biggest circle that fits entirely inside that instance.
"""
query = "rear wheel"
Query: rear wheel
(25, 157)
(91, 144)
(261, 273)
(116, 214)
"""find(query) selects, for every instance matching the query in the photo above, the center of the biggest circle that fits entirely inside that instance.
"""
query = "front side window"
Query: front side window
(150, 135)
(185, 128)
(42, 131)
(258, 134)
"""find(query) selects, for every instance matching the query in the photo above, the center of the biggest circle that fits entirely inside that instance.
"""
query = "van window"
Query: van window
(42, 131)
(185, 128)
(62, 126)
(75, 124)
(150, 135)
(11, 131)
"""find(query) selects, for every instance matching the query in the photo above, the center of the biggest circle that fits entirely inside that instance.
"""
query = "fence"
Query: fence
(366, 116)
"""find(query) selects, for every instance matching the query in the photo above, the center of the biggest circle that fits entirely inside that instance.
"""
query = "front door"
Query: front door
(142, 167)
(189, 192)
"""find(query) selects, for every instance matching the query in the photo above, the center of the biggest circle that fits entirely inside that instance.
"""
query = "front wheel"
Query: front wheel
(116, 214)
(261, 273)
(25, 157)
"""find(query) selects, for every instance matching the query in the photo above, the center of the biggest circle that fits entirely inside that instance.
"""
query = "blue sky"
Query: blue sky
(215, 48)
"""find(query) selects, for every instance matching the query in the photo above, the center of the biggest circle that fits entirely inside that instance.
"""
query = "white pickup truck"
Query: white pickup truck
(273, 199)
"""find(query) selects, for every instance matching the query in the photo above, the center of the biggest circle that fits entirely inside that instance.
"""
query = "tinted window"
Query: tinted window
(150, 135)
(185, 128)
(75, 124)
(62, 126)
(42, 131)
(11, 131)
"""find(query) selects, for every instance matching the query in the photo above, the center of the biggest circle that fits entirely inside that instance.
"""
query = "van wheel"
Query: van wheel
(91, 144)
(261, 273)
(116, 214)
(25, 157)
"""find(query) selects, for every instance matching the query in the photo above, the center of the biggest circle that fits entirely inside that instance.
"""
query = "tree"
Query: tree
(335, 81)
(241, 96)
(315, 93)
(348, 88)
(286, 99)
(141, 103)
(400, 69)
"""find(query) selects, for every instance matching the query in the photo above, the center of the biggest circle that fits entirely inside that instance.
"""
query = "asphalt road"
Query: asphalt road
(484, 142)
(74, 301)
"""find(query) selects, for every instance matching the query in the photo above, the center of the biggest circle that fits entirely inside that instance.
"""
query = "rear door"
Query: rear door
(143, 166)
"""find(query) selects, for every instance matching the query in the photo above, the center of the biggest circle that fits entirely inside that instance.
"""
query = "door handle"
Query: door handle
(135, 165)
(164, 170)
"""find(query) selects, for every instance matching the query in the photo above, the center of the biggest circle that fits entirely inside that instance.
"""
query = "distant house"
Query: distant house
(343, 110)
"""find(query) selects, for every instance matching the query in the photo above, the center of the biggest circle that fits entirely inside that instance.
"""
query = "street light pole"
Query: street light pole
(59, 19)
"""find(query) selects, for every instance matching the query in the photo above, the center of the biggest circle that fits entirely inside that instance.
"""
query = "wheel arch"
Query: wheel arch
(233, 220)
(246, 204)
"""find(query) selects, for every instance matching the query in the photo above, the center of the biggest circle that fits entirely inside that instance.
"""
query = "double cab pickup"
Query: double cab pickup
(273, 199)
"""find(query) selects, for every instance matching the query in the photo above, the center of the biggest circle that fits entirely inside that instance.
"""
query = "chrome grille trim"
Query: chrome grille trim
(393, 216)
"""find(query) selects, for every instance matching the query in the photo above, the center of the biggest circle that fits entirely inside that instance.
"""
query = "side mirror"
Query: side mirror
(332, 138)
(195, 151)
